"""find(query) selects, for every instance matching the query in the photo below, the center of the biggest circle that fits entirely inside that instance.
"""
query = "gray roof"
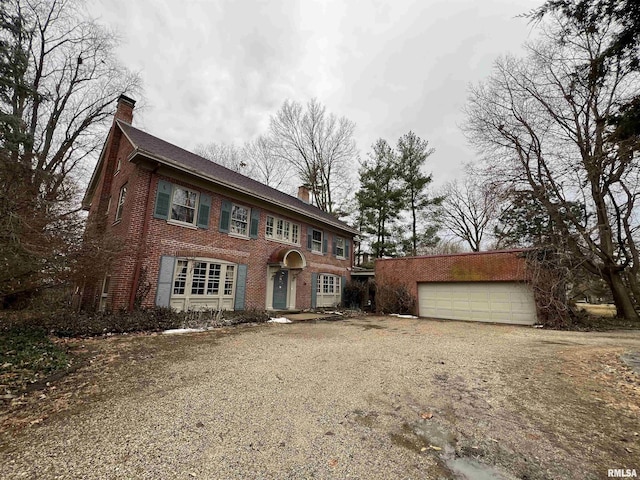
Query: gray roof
(169, 154)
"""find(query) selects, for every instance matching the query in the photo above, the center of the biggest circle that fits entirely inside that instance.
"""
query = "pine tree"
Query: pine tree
(380, 198)
(412, 155)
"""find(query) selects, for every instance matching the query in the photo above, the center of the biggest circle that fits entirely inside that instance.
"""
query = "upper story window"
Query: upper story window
(239, 220)
(121, 197)
(183, 205)
(339, 251)
(316, 241)
(282, 230)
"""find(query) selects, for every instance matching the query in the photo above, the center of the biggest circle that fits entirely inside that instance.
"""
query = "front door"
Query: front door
(280, 286)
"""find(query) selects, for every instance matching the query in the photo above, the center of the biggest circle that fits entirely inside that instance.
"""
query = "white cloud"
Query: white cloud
(216, 70)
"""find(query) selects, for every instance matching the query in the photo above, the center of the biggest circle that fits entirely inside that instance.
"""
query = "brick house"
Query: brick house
(197, 235)
(480, 286)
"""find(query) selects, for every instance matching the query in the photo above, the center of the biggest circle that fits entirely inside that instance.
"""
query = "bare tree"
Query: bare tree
(467, 210)
(60, 79)
(256, 159)
(268, 167)
(227, 155)
(544, 124)
(318, 146)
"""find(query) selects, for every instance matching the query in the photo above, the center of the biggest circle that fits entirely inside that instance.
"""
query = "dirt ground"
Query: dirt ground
(368, 397)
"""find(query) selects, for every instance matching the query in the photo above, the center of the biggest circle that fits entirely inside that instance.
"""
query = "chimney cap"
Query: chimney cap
(123, 98)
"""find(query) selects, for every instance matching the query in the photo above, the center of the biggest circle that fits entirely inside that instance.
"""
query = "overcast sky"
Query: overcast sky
(214, 71)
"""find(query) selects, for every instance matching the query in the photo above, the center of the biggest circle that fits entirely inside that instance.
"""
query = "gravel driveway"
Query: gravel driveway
(366, 397)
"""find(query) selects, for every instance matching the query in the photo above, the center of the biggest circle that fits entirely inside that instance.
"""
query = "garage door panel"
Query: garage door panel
(508, 302)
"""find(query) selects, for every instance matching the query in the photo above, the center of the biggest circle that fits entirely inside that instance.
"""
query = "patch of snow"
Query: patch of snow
(179, 331)
(401, 316)
(279, 320)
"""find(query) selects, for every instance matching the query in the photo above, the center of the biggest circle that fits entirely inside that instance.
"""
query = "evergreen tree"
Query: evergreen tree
(380, 198)
(412, 155)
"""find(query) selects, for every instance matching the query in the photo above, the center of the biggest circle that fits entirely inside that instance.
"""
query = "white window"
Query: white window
(316, 241)
(203, 284)
(183, 205)
(339, 247)
(282, 230)
(328, 284)
(328, 290)
(121, 197)
(239, 220)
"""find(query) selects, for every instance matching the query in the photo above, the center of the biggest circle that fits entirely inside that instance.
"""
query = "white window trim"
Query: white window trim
(231, 220)
(122, 197)
(319, 252)
(189, 278)
(273, 236)
(344, 248)
(173, 221)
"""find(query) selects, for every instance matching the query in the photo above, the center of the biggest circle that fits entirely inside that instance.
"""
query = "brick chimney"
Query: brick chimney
(303, 193)
(124, 111)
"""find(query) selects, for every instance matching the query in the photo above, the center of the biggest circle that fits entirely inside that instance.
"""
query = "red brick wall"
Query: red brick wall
(143, 250)
(174, 240)
(498, 266)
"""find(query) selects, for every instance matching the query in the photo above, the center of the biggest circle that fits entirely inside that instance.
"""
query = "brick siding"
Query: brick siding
(497, 266)
(143, 245)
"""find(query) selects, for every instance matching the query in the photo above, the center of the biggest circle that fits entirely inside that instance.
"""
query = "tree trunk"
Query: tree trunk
(621, 297)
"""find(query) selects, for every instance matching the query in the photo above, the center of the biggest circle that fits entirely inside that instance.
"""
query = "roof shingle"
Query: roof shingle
(161, 150)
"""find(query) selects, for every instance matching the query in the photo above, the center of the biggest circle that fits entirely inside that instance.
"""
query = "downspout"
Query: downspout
(143, 241)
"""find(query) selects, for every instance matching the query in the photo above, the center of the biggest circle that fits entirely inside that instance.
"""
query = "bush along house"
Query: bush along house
(196, 235)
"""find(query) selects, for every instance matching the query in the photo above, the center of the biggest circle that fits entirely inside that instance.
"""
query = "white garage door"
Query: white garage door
(508, 302)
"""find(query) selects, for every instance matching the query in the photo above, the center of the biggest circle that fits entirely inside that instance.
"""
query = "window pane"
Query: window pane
(213, 285)
(269, 231)
(239, 216)
(316, 241)
(228, 280)
(181, 278)
(183, 205)
(123, 194)
(199, 275)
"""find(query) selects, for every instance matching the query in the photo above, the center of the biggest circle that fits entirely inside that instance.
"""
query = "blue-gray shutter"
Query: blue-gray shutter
(346, 249)
(314, 288)
(255, 221)
(165, 280)
(309, 237)
(325, 242)
(203, 210)
(241, 287)
(163, 200)
(225, 216)
(333, 247)
(342, 285)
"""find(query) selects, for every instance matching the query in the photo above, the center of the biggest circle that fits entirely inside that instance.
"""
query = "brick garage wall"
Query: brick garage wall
(497, 266)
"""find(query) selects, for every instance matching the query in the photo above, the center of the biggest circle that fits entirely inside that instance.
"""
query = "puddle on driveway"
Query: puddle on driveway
(426, 435)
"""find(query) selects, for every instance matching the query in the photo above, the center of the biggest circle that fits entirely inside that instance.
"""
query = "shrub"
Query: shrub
(355, 294)
(67, 323)
(394, 299)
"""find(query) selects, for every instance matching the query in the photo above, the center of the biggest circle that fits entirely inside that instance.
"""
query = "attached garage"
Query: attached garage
(477, 286)
(500, 302)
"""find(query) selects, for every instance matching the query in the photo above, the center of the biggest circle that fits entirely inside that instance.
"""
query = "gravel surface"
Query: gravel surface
(363, 398)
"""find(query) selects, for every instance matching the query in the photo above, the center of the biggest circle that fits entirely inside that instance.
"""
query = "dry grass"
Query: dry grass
(598, 310)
